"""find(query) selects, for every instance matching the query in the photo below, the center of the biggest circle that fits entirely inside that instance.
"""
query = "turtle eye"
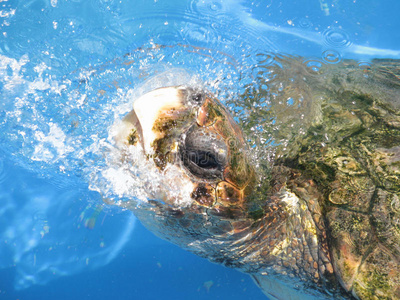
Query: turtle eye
(203, 159)
(203, 164)
(197, 97)
(203, 153)
(194, 96)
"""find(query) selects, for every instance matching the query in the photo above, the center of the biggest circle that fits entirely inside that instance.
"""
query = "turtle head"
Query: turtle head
(198, 175)
(192, 141)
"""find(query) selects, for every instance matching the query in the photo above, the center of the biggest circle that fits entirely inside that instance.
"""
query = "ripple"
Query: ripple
(3, 171)
(336, 38)
(265, 59)
(305, 23)
(331, 57)
(194, 34)
(313, 66)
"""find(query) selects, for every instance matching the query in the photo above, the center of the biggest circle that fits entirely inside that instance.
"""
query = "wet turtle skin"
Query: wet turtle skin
(320, 220)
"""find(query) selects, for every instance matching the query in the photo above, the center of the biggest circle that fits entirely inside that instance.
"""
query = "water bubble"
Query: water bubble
(290, 101)
(336, 38)
(331, 56)
(313, 65)
(364, 65)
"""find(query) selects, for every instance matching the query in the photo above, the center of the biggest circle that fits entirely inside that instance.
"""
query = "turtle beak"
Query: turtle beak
(130, 124)
(147, 111)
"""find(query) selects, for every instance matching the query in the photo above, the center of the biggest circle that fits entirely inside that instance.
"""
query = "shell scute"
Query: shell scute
(385, 219)
(377, 277)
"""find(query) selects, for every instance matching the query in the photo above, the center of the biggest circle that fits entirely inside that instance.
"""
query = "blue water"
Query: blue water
(69, 69)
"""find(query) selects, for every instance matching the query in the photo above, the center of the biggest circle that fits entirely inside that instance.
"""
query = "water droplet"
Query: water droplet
(215, 6)
(331, 56)
(336, 38)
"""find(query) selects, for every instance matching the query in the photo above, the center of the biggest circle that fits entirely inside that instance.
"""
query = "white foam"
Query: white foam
(47, 143)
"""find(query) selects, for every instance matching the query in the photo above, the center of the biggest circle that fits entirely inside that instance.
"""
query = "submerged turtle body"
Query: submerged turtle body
(352, 152)
(322, 222)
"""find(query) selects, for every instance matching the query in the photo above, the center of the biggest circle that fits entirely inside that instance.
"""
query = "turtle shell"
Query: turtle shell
(351, 149)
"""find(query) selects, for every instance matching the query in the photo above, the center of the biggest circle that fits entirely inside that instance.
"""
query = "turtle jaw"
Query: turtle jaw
(154, 116)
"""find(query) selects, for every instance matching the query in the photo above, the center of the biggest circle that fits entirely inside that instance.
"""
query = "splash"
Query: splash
(58, 140)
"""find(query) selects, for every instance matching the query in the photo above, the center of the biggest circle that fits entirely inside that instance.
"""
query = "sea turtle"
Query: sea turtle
(320, 220)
